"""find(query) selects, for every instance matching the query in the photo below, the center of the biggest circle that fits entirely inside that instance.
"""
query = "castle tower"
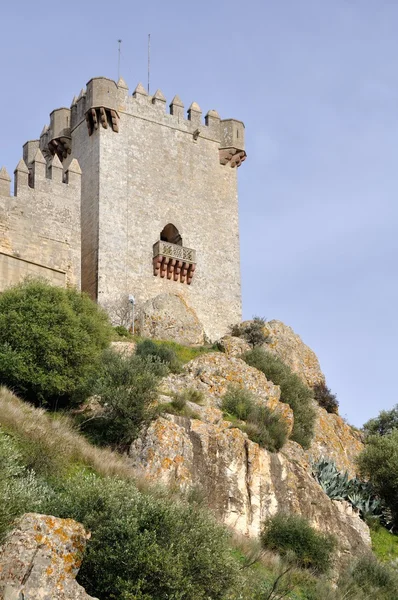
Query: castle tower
(159, 205)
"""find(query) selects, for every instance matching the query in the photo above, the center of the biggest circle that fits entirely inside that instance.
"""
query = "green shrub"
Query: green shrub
(374, 577)
(293, 391)
(263, 426)
(143, 547)
(51, 340)
(238, 401)
(378, 463)
(127, 390)
(161, 352)
(121, 331)
(251, 331)
(19, 489)
(325, 398)
(385, 423)
(267, 428)
(292, 534)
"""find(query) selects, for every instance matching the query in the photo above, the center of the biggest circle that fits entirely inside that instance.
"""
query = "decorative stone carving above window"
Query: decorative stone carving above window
(173, 261)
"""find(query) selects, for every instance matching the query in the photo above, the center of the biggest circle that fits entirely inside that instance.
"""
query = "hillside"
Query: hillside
(180, 472)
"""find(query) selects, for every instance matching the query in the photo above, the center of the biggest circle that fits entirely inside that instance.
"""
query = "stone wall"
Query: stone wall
(14, 269)
(40, 224)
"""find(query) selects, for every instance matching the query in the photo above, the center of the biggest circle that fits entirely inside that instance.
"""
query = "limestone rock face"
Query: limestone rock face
(41, 558)
(242, 482)
(336, 440)
(289, 347)
(168, 317)
(213, 373)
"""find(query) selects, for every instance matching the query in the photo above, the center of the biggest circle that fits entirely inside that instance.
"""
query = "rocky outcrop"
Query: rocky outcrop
(213, 373)
(233, 346)
(41, 558)
(336, 440)
(289, 347)
(243, 483)
(168, 317)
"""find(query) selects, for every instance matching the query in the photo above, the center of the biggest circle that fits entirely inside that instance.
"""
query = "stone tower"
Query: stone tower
(159, 202)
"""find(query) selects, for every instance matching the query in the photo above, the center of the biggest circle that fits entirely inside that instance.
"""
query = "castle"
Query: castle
(121, 198)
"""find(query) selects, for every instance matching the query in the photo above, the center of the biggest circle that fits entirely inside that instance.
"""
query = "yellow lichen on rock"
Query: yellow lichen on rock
(41, 558)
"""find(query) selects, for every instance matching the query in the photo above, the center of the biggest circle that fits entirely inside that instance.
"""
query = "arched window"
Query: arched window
(171, 234)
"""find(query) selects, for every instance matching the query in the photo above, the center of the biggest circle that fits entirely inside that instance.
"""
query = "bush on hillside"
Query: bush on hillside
(144, 547)
(126, 390)
(377, 580)
(378, 463)
(51, 340)
(385, 423)
(325, 398)
(161, 352)
(287, 534)
(265, 427)
(19, 489)
(251, 331)
(238, 401)
(293, 391)
(121, 331)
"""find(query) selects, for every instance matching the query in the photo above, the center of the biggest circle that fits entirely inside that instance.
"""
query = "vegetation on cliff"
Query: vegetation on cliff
(293, 391)
(265, 427)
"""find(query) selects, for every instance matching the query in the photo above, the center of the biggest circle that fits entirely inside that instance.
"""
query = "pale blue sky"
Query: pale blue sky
(316, 83)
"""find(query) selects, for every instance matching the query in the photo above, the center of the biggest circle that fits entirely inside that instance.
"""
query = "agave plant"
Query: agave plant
(338, 486)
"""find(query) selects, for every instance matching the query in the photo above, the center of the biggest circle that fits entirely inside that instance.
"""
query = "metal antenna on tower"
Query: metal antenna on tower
(149, 59)
(118, 60)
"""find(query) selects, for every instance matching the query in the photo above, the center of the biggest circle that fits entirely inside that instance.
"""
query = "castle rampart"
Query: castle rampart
(40, 224)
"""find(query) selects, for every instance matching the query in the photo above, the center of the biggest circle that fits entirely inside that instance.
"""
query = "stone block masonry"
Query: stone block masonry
(149, 170)
(40, 224)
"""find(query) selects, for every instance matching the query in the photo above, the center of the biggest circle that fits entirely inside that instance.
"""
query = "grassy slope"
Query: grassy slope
(43, 436)
(384, 544)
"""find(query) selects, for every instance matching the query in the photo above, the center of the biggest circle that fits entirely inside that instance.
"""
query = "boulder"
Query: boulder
(233, 346)
(41, 558)
(168, 317)
(289, 347)
(243, 483)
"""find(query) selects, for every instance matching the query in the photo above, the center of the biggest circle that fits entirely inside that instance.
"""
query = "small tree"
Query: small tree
(325, 398)
(385, 423)
(127, 390)
(252, 331)
(51, 341)
(379, 464)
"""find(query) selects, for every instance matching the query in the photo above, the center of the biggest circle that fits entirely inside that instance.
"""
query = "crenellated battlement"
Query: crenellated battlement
(103, 103)
(35, 174)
